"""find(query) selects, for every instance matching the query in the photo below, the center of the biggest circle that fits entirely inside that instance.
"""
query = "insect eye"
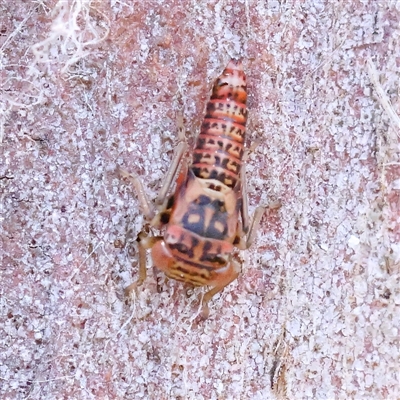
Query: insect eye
(164, 217)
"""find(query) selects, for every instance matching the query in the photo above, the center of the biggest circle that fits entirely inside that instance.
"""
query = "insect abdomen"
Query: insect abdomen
(220, 145)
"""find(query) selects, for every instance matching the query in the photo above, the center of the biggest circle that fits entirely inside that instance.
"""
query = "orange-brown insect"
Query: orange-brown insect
(206, 217)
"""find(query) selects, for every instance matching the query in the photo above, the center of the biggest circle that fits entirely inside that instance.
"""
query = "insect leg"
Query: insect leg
(245, 201)
(147, 208)
(173, 169)
(255, 224)
(145, 242)
(229, 276)
(250, 229)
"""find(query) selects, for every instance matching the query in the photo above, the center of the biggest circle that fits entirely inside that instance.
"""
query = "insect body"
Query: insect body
(206, 217)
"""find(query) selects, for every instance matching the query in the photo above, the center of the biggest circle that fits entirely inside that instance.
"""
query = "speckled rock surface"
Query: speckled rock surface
(89, 85)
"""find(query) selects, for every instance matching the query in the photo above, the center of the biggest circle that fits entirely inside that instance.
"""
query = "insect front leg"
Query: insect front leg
(145, 242)
(220, 282)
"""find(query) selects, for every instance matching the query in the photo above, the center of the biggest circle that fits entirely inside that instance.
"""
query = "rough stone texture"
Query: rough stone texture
(87, 86)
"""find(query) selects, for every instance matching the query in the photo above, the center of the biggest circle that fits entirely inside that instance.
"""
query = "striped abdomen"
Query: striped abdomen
(220, 145)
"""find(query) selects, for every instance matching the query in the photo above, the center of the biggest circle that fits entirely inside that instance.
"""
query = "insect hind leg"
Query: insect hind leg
(255, 224)
(147, 207)
(145, 204)
(180, 151)
(250, 229)
(147, 242)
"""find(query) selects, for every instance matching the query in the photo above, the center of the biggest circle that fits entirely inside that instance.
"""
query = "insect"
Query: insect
(206, 217)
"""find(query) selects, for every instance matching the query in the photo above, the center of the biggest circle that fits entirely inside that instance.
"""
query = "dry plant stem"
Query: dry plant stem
(382, 97)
